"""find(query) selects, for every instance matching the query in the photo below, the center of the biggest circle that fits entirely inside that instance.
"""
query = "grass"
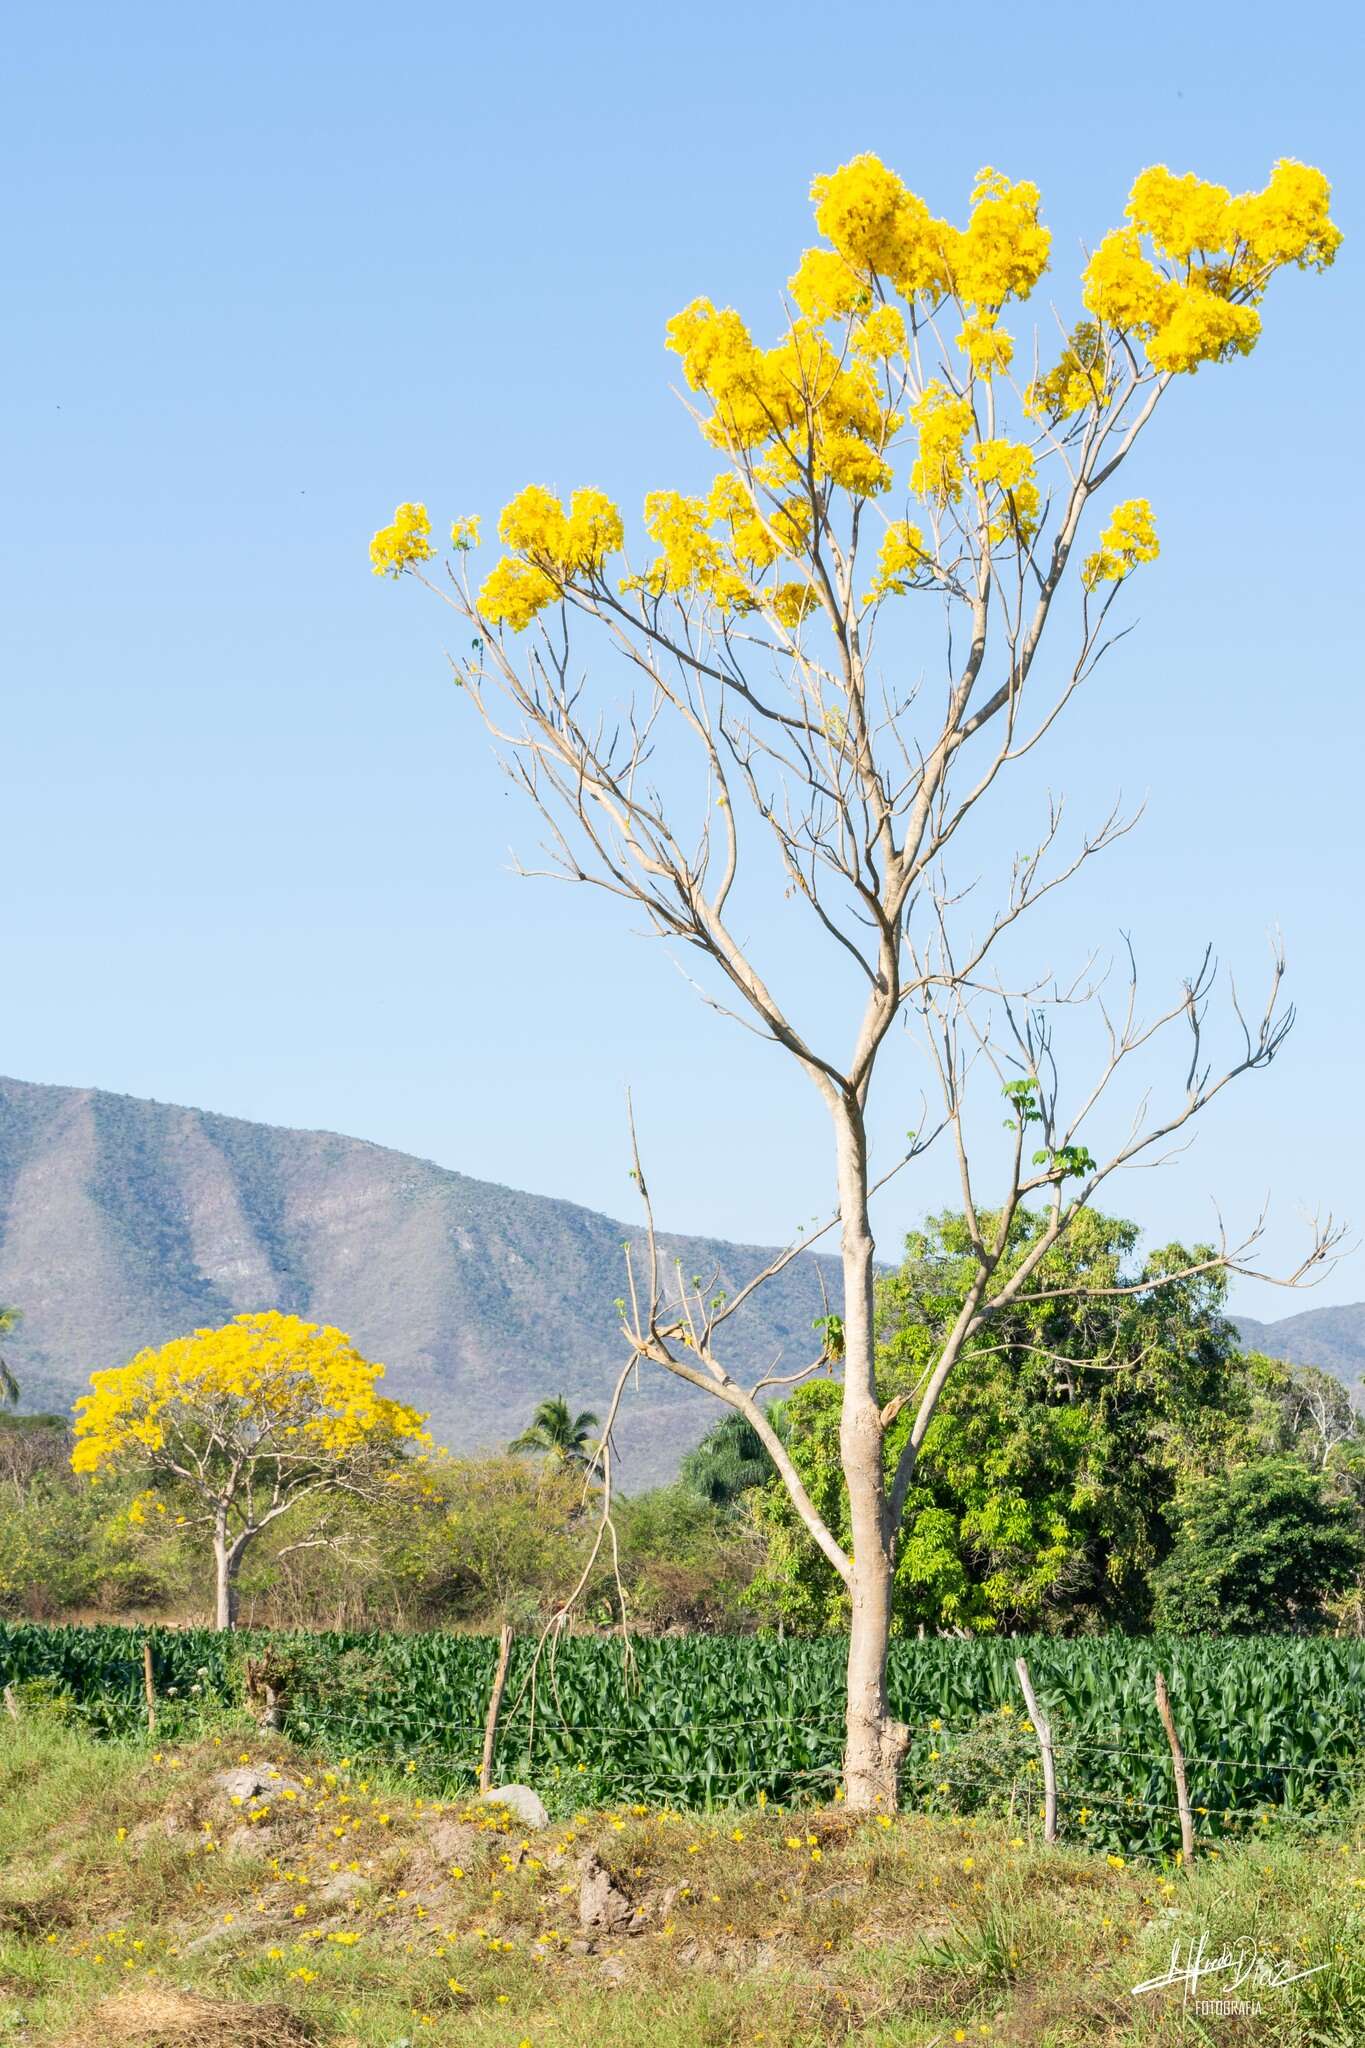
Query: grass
(141, 1908)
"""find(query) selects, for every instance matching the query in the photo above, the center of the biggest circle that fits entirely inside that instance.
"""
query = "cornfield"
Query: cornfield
(1273, 1727)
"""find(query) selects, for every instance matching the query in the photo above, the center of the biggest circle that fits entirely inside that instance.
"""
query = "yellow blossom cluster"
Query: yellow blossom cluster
(1121, 287)
(725, 565)
(1288, 221)
(883, 230)
(790, 603)
(987, 347)
(514, 592)
(825, 288)
(1005, 248)
(1181, 215)
(1200, 327)
(881, 335)
(757, 537)
(692, 559)
(1077, 380)
(566, 544)
(944, 421)
(1195, 299)
(550, 547)
(1129, 538)
(297, 1390)
(903, 561)
(1007, 468)
(727, 569)
(1006, 463)
(407, 541)
(817, 409)
(822, 411)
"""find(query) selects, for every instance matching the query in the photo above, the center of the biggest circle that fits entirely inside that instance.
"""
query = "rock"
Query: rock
(255, 1787)
(527, 1805)
(453, 1841)
(342, 1884)
(244, 1783)
(602, 1907)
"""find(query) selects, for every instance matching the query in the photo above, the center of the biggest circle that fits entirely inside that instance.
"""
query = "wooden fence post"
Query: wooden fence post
(148, 1686)
(1182, 1794)
(490, 1726)
(1042, 1728)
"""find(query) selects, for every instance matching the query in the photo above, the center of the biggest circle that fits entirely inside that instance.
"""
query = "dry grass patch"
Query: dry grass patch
(178, 2019)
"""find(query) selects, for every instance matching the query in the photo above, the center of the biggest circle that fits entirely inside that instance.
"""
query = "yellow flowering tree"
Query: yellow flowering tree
(244, 1423)
(835, 649)
(9, 1321)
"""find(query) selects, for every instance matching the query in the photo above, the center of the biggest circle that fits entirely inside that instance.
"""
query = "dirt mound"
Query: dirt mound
(174, 2019)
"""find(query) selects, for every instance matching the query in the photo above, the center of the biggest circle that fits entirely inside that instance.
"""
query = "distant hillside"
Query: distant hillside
(124, 1223)
(1330, 1337)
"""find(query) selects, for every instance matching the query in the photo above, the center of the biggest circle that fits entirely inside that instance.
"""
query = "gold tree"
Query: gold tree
(757, 681)
(9, 1322)
(247, 1422)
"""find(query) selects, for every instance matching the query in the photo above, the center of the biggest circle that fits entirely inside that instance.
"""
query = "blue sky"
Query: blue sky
(271, 271)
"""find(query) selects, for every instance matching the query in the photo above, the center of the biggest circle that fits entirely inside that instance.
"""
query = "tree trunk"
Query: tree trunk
(226, 1559)
(874, 1743)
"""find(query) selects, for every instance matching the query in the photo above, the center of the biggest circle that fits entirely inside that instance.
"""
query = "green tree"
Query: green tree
(730, 1459)
(557, 1432)
(64, 1547)
(686, 1562)
(515, 1537)
(1307, 1413)
(1260, 1547)
(1044, 1486)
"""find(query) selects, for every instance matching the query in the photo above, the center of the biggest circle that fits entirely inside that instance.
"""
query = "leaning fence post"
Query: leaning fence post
(1182, 1795)
(490, 1726)
(148, 1686)
(1042, 1728)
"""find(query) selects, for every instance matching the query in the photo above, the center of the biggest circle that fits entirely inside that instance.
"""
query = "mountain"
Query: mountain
(124, 1223)
(1330, 1337)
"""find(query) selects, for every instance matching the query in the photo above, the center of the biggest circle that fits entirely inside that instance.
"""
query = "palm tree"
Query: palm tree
(558, 1433)
(730, 1459)
(9, 1386)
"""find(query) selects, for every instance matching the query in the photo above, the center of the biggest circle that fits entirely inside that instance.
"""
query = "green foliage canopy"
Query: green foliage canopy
(1258, 1549)
(1049, 1472)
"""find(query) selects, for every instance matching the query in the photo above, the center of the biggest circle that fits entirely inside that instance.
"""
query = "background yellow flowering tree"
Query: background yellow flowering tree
(902, 466)
(9, 1319)
(244, 1423)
